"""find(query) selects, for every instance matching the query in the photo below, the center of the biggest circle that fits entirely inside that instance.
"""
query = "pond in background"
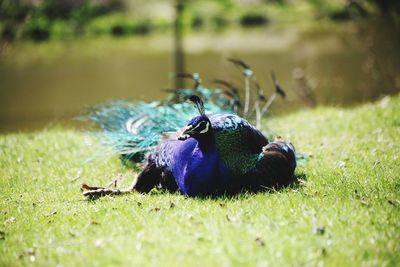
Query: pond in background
(42, 83)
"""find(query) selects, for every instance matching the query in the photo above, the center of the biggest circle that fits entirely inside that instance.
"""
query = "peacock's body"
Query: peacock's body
(215, 153)
(212, 159)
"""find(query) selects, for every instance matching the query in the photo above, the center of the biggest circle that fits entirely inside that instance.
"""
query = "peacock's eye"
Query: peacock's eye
(202, 127)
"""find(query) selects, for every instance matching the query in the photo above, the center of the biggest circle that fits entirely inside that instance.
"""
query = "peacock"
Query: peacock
(216, 153)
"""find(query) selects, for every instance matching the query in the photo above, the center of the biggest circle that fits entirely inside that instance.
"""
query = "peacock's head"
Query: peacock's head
(277, 163)
(199, 128)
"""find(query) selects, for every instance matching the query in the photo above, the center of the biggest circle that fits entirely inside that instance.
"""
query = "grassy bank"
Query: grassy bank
(344, 212)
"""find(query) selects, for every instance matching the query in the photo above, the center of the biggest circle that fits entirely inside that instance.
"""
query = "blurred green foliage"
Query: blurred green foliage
(44, 19)
(66, 19)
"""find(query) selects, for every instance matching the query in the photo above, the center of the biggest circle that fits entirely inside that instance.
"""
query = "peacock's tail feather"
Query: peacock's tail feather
(134, 128)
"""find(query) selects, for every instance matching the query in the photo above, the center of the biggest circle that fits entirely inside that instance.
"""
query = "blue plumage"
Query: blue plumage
(196, 169)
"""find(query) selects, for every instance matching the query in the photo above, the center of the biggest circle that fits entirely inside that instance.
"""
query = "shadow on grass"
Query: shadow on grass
(296, 183)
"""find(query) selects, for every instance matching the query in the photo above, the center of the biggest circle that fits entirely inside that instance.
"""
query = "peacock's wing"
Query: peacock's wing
(240, 128)
(238, 142)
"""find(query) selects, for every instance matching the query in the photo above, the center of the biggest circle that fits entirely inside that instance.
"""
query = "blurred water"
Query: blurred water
(40, 83)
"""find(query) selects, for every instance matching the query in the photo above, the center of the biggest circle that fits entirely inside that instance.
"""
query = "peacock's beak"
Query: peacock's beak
(185, 132)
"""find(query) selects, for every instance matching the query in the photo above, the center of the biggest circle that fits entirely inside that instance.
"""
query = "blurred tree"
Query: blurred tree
(388, 6)
(12, 13)
(103, 7)
(36, 18)
(179, 53)
(15, 10)
(60, 9)
(389, 9)
(44, 19)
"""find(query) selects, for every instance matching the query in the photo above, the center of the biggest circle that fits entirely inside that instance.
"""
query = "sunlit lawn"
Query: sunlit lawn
(344, 212)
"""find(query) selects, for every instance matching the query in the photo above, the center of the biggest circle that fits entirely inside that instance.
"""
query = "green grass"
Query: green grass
(344, 212)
